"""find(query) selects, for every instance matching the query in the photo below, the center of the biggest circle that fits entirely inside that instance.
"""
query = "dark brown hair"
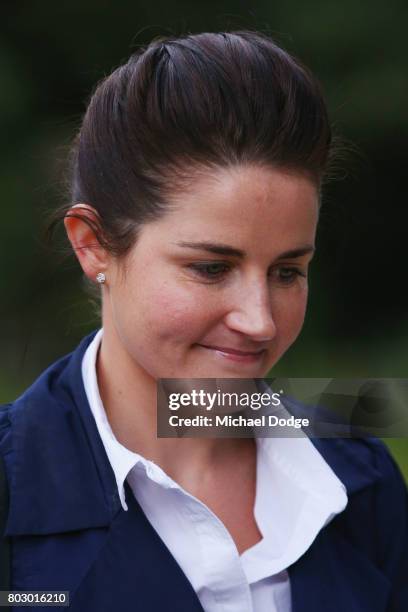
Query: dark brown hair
(191, 104)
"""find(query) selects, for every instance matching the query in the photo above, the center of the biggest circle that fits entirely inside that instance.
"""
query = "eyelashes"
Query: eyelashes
(213, 272)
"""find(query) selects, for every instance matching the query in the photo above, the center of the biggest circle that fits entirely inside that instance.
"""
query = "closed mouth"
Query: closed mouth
(223, 349)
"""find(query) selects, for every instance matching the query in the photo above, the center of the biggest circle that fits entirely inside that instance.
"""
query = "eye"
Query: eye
(211, 270)
(286, 275)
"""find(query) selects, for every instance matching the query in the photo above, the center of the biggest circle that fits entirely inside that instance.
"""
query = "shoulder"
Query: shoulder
(56, 386)
(375, 520)
(372, 454)
(41, 407)
(55, 460)
(4, 415)
(391, 478)
(5, 424)
(389, 504)
(368, 471)
(46, 416)
(48, 410)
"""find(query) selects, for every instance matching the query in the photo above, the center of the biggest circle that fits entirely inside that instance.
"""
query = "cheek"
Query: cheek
(175, 313)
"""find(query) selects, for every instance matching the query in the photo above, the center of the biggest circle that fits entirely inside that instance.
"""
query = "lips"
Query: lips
(231, 351)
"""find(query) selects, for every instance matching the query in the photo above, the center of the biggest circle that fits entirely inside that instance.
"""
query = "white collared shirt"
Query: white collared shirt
(297, 494)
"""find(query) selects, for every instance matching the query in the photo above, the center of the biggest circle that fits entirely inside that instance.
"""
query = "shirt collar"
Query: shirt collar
(297, 495)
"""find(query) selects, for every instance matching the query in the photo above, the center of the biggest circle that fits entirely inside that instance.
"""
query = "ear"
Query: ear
(91, 255)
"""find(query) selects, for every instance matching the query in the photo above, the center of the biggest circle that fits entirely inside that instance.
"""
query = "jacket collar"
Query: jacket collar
(58, 468)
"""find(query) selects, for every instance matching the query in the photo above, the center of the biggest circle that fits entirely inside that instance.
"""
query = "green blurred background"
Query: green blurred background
(52, 54)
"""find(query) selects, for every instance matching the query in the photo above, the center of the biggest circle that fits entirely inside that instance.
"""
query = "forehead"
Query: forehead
(243, 204)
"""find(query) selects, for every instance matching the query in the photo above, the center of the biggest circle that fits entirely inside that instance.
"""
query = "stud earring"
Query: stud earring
(100, 278)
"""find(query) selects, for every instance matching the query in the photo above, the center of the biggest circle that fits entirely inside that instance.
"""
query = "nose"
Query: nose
(252, 314)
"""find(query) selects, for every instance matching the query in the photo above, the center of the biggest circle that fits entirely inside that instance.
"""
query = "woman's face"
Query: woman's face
(217, 287)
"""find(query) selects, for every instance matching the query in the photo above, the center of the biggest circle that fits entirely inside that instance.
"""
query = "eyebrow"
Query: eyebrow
(225, 249)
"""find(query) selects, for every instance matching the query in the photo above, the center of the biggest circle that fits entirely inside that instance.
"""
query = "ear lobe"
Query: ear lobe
(81, 222)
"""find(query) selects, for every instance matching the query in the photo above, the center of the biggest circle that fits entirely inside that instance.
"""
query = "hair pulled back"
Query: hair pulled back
(186, 105)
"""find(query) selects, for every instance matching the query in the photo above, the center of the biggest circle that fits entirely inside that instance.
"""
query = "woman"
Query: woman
(195, 200)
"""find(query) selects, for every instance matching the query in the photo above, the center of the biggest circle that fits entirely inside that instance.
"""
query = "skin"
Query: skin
(159, 313)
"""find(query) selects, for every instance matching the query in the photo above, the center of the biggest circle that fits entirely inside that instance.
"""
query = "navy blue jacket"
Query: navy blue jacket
(69, 532)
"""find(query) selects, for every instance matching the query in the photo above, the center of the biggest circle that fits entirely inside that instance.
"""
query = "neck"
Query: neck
(129, 396)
